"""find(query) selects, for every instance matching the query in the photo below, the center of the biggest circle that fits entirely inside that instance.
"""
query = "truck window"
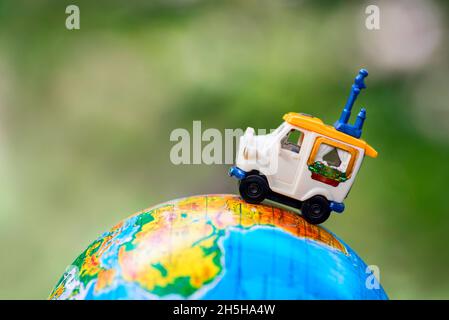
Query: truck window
(292, 140)
(331, 160)
(333, 157)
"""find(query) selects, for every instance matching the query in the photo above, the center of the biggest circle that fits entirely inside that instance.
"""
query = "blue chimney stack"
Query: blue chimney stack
(342, 125)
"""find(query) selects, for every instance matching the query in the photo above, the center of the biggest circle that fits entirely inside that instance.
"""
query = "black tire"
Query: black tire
(253, 189)
(316, 210)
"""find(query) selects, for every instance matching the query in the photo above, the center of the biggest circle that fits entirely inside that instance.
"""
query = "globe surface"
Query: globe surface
(217, 247)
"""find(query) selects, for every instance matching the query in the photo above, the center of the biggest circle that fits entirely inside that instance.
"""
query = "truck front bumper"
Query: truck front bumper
(237, 173)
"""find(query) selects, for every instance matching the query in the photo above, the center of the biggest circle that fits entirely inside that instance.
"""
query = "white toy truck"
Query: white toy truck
(304, 163)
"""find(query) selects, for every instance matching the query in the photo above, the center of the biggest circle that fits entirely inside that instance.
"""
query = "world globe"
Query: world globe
(217, 247)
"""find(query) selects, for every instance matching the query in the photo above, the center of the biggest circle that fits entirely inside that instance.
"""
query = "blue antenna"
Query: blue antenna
(342, 125)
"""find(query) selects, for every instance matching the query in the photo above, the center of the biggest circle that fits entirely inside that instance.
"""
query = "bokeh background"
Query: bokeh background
(85, 119)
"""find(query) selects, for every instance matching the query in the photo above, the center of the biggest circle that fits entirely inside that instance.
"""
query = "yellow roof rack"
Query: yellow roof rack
(316, 125)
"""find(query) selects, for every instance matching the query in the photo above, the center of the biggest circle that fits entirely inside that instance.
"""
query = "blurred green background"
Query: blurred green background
(85, 119)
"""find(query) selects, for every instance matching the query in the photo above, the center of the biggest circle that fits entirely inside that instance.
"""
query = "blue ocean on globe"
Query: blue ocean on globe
(290, 269)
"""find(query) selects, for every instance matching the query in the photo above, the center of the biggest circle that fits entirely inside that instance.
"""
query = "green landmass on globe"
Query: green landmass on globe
(216, 247)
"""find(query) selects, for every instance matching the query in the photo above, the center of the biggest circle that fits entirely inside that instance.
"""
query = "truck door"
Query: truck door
(288, 162)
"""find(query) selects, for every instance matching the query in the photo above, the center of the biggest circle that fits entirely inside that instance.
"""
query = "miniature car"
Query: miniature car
(304, 163)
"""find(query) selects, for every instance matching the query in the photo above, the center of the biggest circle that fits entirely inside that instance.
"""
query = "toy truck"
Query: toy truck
(304, 163)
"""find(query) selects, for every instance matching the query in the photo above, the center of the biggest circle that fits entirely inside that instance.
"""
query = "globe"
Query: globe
(217, 247)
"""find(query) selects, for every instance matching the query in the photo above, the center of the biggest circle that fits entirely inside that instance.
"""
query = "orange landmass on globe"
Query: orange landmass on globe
(104, 279)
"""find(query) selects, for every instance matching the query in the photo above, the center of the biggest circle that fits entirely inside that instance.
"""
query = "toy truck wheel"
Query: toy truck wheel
(316, 210)
(253, 189)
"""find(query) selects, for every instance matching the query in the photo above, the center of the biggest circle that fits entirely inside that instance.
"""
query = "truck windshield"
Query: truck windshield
(292, 140)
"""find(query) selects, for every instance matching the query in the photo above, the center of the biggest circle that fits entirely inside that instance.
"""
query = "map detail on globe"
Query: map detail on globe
(217, 247)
